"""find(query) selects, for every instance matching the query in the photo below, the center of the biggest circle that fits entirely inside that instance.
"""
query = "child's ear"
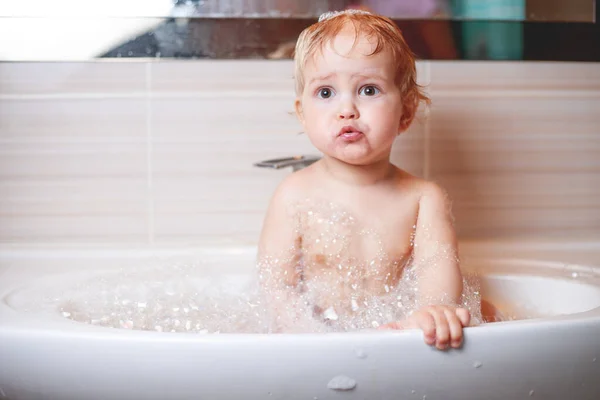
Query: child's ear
(404, 124)
(408, 114)
(299, 110)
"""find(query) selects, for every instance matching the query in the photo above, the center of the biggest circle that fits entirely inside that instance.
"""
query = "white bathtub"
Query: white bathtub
(46, 356)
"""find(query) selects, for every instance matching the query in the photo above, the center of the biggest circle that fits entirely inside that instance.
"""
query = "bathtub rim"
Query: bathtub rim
(21, 322)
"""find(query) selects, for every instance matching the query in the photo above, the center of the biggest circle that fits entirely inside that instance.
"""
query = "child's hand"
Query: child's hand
(441, 325)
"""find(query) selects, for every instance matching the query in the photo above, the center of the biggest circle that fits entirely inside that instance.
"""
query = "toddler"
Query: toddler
(344, 235)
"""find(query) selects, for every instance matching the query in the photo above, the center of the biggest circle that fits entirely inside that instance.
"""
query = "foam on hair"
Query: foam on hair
(331, 14)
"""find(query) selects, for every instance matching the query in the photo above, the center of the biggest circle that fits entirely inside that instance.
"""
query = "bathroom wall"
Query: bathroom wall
(161, 153)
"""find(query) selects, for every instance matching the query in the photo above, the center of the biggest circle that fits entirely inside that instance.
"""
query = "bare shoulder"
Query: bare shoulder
(427, 195)
(419, 187)
(291, 191)
(279, 232)
(295, 186)
(433, 192)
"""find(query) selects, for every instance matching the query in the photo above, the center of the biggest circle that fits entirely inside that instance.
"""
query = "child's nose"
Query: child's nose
(347, 115)
(348, 111)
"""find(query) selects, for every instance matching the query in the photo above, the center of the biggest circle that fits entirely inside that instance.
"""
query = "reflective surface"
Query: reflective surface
(488, 10)
(267, 29)
(228, 38)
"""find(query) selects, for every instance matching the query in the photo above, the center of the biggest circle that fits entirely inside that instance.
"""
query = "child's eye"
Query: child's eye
(325, 93)
(369, 90)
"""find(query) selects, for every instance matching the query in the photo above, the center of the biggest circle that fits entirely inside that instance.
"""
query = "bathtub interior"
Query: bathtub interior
(520, 289)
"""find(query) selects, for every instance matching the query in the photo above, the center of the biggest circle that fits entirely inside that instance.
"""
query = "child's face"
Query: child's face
(350, 106)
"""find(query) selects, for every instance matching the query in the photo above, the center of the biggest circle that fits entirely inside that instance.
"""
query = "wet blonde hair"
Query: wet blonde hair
(387, 37)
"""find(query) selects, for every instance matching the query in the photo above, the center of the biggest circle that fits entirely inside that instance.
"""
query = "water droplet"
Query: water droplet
(477, 364)
(341, 382)
(330, 314)
(360, 353)
(594, 359)
(413, 391)
(531, 392)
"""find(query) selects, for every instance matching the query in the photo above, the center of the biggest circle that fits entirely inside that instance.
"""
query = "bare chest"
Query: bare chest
(355, 250)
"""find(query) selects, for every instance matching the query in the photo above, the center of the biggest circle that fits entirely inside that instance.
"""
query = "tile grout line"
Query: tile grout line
(426, 133)
(149, 156)
(426, 150)
(210, 93)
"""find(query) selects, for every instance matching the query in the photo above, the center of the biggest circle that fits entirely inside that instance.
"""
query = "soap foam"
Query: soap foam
(352, 294)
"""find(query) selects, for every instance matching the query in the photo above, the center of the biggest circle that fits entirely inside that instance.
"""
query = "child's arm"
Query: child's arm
(436, 251)
(279, 265)
(438, 274)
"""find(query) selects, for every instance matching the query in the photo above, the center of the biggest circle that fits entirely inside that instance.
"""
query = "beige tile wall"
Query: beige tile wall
(162, 153)
(517, 145)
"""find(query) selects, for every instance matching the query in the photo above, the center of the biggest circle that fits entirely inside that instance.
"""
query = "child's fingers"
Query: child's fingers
(463, 315)
(426, 322)
(442, 329)
(456, 328)
(441, 326)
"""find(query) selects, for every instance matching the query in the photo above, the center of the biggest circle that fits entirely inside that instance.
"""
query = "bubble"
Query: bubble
(337, 278)
(330, 314)
(477, 364)
(361, 289)
(169, 298)
(341, 383)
